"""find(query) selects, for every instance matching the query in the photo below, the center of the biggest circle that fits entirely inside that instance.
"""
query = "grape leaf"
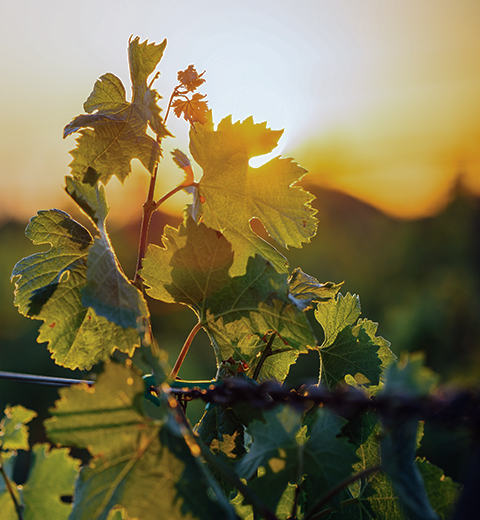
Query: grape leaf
(221, 430)
(233, 192)
(349, 351)
(194, 110)
(237, 312)
(190, 78)
(442, 491)
(336, 314)
(49, 286)
(114, 131)
(108, 291)
(316, 462)
(52, 475)
(305, 289)
(399, 436)
(138, 463)
(13, 432)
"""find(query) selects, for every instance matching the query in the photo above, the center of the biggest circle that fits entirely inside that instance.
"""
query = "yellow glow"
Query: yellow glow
(378, 99)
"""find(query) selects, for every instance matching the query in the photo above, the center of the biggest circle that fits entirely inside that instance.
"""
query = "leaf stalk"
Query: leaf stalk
(184, 350)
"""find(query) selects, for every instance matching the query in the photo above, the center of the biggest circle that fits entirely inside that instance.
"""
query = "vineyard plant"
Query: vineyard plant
(339, 448)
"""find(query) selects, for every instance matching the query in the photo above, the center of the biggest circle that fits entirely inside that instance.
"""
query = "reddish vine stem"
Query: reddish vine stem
(148, 209)
(184, 350)
(175, 93)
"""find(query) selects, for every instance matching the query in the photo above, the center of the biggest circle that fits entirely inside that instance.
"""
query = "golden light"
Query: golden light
(377, 99)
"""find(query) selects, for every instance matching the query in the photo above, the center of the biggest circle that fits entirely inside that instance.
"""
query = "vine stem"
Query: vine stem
(314, 512)
(149, 208)
(184, 350)
(18, 507)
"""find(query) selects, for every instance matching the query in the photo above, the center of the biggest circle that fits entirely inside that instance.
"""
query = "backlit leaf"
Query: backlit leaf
(114, 130)
(138, 463)
(49, 288)
(350, 349)
(306, 289)
(236, 312)
(193, 110)
(233, 192)
(13, 432)
(52, 475)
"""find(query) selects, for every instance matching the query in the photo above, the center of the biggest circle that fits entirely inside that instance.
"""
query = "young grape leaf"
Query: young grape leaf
(190, 78)
(49, 286)
(237, 312)
(114, 131)
(349, 351)
(138, 463)
(194, 110)
(233, 192)
(13, 432)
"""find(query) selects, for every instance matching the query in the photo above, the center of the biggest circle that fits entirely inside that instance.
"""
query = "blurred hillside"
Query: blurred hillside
(419, 279)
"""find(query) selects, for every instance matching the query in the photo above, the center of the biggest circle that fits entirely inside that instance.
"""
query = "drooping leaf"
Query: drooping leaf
(183, 162)
(114, 131)
(13, 432)
(49, 286)
(236, 312)
(138, 463)
(232, 192)
(108, 291)
(305, 289)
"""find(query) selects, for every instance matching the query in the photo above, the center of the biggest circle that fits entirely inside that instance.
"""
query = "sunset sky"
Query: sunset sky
(379, 99)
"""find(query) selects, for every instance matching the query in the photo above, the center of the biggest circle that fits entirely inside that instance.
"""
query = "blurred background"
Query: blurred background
(379, 101)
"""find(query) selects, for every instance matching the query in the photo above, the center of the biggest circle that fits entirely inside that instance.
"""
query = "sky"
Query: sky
(378, 99)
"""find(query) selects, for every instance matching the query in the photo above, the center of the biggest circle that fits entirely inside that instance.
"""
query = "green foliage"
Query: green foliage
(231, 192)
(114, 131)
(52, 473)
(146, 462)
